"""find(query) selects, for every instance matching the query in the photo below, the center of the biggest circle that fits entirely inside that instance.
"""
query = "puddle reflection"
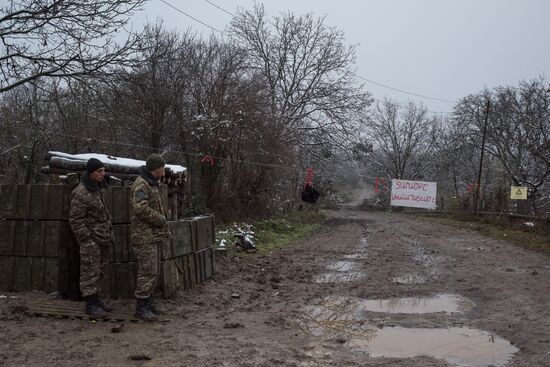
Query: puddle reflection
(356, 256)
(448, 303)
(335, 317)
(342, 317)
(339, 277)
(341, 266)
(457, 346)
(410, 279)
(429, 260)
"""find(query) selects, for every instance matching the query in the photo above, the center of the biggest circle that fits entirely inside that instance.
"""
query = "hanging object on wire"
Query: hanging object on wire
(309, 194)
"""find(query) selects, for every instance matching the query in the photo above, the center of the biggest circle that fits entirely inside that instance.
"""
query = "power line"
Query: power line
(219, 7)
(404, 91)
(359, 76)
(400, 105)
(192, 17)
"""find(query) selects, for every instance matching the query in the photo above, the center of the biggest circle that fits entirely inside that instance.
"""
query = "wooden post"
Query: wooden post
(478, 183)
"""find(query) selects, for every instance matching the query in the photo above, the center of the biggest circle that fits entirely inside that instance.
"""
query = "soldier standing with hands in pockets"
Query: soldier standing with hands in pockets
(90, 220)
(149, 228)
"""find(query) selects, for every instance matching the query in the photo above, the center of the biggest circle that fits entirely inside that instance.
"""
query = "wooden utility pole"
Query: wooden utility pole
(478, 183)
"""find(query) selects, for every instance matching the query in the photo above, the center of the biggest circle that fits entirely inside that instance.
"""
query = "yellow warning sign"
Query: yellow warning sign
(518, 193)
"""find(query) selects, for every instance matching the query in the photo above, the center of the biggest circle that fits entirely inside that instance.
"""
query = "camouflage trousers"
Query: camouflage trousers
(93, 261)
(148, 268)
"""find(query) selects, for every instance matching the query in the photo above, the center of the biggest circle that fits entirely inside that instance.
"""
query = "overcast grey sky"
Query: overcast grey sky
(438, 48)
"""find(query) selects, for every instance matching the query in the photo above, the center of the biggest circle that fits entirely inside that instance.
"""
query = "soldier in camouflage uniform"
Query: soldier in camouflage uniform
(149, 228)
(90, 221)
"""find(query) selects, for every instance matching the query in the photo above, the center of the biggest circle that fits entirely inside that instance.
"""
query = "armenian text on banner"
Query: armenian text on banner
(416, 194)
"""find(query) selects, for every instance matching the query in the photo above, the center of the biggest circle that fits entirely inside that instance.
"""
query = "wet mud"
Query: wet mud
(367, 289)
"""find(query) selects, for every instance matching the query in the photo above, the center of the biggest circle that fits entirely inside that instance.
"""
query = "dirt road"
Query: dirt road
(369, 289)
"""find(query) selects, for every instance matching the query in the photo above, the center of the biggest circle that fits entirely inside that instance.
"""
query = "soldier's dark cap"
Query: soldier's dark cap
(93, 165)
(154, 161)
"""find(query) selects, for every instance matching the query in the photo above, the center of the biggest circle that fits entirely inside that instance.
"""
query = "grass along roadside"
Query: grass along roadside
(534, 238)
(272, 234)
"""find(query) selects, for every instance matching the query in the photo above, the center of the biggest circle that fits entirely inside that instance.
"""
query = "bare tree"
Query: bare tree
(308, 73)
(518, 130)
(402, 140)
(142, 98)
(61, 38)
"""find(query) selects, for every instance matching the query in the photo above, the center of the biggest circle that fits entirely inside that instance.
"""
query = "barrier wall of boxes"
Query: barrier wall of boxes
(38, 250)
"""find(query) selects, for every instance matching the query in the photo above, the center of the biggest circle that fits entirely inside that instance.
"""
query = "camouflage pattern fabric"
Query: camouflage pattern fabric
(90, 220)
(149, 224)
(148, 268)
(89, 215)
(93, 261)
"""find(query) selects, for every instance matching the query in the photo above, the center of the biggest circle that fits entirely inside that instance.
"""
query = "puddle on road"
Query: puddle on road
(457, 346)
(339, 277)
(448, 303)
(356, 256)
(410, 279)
(429, 260)
(342, 306)
(341, 266)
(340, 317)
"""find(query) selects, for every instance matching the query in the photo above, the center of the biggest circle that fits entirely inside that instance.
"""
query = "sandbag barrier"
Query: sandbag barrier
(38, 250)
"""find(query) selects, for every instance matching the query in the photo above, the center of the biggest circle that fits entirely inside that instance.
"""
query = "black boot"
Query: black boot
(152, 307)
(92, 307)
(142, 310)
(105, 306)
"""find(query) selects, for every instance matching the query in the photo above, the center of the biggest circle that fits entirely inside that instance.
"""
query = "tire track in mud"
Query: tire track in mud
(457, 262)
(251, 313)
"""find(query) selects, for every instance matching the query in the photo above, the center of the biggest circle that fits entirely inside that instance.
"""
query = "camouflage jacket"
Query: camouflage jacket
(89, 215)
(149, 222)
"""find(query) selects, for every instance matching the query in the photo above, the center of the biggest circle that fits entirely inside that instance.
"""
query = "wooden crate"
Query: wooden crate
(38, 270)
(7, 237)
(199, 267)
(7, 264)
(190, 262)
(184, 238)
(22, 274)
(125, 279)
(8, 201)
(183, 271)
(105, 283)
(120, 252)
(56, 275)
(204, 264)
(209, 262)
(188, 265)
(120, 203)
(36, 238)
(171, 277)
(37, 202)
(204, 228)
(50, 202)
(119, 280)
(58, 240)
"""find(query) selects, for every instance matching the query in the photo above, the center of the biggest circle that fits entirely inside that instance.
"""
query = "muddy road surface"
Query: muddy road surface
(367, 289)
